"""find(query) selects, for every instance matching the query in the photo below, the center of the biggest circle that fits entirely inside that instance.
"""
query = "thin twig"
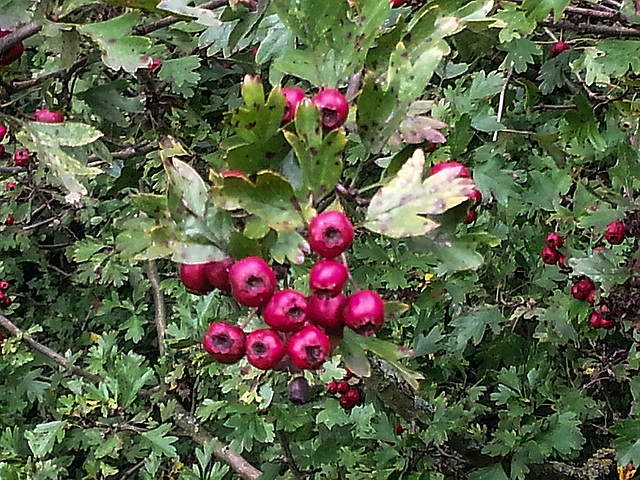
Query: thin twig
(288, 458)
(605, 30)
(129, 152)
(132, 470)
(12, 170)
(158, 300)
(167, 21)
(501, 102)
(59, 359)
(192, 428)
(252, 314)
(18, 35)
(551, 34)
(17, 86)
(39, 224)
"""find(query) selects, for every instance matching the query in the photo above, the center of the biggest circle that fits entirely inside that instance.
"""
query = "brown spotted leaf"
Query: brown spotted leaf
(402, 207)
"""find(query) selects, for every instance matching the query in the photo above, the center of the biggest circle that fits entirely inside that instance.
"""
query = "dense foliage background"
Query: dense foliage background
(496, 373)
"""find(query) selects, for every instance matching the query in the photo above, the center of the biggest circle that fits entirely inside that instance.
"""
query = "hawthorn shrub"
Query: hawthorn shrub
(472, 133)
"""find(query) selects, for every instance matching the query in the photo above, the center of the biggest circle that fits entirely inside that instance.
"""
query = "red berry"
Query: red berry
(472, 215)
(9, 221)
(194, 278)
(607, 324)
(1, 150)
(4, 286)
(328, 277)
(326, 312)
(364, 312)
(399, 429)
(332, 386)
(330, 233)
(350, 399)
(217, 274)
(591, 297)
(308, 348)
(476, 196)
(45, 115)
(14, 53)
(459, 169)
(3, 132)
(595, 320)
(155, 65)
(264, 348)
(2, 337)
(252, 282)
(554, 240)
(582, 289)
(615, 233)
(286, 311)
(224, 342)
(21, 157)
(5, 300)
(293, 96)
(558, 48)
(343, 386)
(550, 256)
(11, 186)
(562, 263)
(347, 374)
(333, 107)
(397, 3)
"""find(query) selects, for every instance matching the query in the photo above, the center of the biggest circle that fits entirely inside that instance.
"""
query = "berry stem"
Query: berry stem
(252, 314)
(353, 282)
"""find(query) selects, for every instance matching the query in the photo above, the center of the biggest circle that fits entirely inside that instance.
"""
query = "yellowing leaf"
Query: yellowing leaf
(627, 472)
(403, 206)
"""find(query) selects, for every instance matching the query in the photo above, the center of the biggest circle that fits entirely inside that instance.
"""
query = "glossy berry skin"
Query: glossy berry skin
(472, 216)
(286, 311)
(308, 348)
(615, 233)
(12, 55)
(550, 256)
(332, 386)
(476, 196)
(554, 240)
(11, 186)
(45, 115)
(333, 106)
(5, 300)
(459, 169)
(224, 342)
(3, 132)
(607, 324)
(591, 297)
(195, 279)
(21, 157)
(264, 348)
(233, 173)
(562, 263)
(364, 312)
(325, 311)
(558, 48)
(399, 429)
(330, 233)
(4, 286)
(343, 387)
(155, 65)
(293, 96)
(595, 320)
(397, 3)
(350, 399)
(253, 283)
(9, 221)
(217, 274)
(582, 289)
(328, 277)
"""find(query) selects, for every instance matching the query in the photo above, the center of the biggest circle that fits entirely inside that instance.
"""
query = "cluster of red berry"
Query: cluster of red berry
(5, 300)
(333, 106)
(22, 156)
(349, 394)
(14, 53)
(584, 289)
(300, 326)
